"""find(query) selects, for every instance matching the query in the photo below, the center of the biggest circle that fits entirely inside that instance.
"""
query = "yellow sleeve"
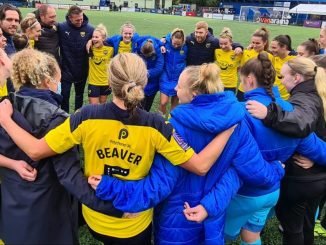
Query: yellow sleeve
(176, 150)
(61, 138)
(239, 59)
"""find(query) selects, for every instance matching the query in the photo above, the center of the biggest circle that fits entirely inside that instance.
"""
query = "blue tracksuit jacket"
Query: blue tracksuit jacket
(154, 64)
(175, 62)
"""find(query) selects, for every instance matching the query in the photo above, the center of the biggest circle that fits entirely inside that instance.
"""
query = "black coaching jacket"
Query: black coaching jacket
(307, 117)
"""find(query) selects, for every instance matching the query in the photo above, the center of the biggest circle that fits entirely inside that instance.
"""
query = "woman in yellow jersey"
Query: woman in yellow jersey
(99, 58)
(118, 139)
(31, 28)
(227, 60)
(308, 48)
(126, 41)
(281, 49)
(259, 43)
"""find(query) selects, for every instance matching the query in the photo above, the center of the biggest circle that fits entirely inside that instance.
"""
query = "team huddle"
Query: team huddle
(244, 140)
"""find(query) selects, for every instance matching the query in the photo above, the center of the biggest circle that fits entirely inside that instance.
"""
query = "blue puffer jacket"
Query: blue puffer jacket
(73, 40)
(154, 64)
(115, 40)
(279, 146)
(198, 123)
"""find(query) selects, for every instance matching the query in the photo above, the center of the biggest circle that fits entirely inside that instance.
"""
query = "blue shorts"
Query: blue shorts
(152, 87)
(167, 86)
(249, 213)
(95, 91)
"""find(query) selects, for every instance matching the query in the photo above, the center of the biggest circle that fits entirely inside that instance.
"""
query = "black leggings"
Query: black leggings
(296, 209)
(79, 94)
(147, 102)
(143, 238)
(321, 206)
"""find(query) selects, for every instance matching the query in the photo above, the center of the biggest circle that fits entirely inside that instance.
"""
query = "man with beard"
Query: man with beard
(49, 40)
(74, 34)
(201, 45)
(10, 17)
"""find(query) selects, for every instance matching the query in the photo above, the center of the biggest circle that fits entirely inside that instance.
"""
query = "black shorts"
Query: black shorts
(97, 91)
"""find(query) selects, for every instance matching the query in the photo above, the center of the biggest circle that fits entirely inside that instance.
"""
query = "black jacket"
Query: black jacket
(10, 47)
(200, 53)
(74, 57)
(49, 40)
(43, 212)
(307, 117)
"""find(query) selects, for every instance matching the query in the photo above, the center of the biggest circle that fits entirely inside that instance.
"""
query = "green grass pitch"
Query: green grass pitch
(159, 25)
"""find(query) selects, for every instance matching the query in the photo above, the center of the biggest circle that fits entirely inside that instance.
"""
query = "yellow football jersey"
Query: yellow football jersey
(228, 63)
(124, 47)
(118, 146)
(98, 66)
(31, 43)
(278, 63)
(249, 54)
(3, 90)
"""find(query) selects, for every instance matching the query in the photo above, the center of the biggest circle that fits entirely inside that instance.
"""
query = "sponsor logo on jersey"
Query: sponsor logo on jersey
(123, 134)
(98, 63)
(111, 170)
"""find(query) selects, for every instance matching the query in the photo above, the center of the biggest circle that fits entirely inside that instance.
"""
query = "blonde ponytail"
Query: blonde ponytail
(321, 86)
(204, 79)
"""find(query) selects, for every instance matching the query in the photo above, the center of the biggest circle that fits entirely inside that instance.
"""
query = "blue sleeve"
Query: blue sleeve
(250, 165)
(313, 148)
(111, 41)
(219, 197)
(140, 195)
(158, 68)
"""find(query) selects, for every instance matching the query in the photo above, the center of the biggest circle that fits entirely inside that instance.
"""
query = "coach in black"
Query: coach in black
(201, 45)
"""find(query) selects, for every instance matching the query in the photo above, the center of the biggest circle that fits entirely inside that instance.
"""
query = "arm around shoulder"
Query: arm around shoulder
(202, 162)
